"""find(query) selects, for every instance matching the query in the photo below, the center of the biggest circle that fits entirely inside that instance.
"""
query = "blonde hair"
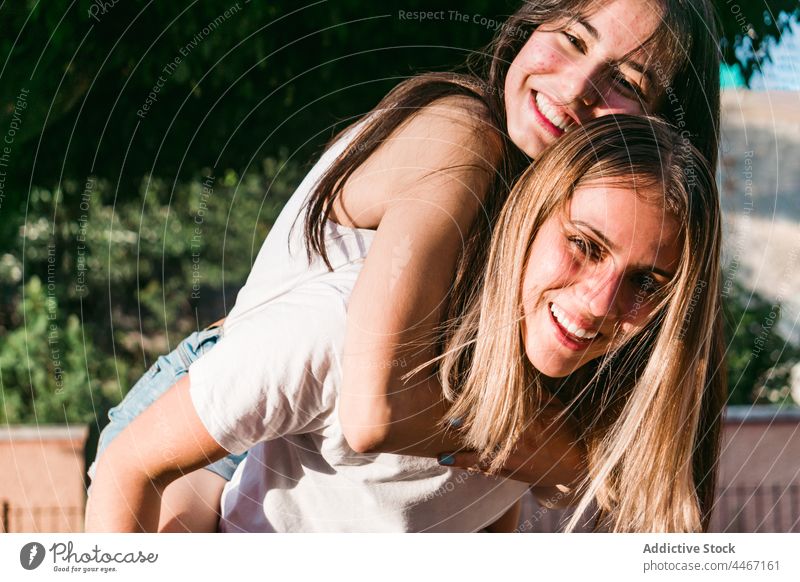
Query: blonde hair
(649, 411)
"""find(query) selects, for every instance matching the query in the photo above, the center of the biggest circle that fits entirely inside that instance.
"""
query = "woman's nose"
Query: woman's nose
(602, 292)
(580, 86)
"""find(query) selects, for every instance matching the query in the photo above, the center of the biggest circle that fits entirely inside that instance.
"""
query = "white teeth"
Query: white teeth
(571, 327)
(549, 111)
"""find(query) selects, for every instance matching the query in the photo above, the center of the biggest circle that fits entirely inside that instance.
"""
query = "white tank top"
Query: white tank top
(281, 264)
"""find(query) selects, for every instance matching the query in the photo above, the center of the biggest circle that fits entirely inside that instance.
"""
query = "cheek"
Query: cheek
(616, 104)
(550, 268)
(639, 312)
(534, 58)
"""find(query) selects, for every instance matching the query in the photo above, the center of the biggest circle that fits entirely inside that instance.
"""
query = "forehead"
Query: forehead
(622, 26)
(636, 223)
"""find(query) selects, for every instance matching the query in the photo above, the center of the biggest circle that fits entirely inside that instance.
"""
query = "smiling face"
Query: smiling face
(570, 72)
(591, 270)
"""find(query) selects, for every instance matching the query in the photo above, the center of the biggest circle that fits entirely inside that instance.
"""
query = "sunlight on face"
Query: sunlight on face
(569, 73)
(592, 269)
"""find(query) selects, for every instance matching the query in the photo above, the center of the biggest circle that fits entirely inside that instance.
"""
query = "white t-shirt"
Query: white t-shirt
(271, 386)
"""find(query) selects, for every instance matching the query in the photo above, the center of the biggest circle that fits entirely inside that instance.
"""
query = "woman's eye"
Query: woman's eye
(584, 247)
(628, 86)
(574, 40)
(646, 285)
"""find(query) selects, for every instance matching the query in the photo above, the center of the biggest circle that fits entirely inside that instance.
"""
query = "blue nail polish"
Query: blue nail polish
(456, 422)
(447, 460)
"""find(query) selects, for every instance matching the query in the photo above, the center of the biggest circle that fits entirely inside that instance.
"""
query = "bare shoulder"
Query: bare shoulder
(454, 129)
(445, 149)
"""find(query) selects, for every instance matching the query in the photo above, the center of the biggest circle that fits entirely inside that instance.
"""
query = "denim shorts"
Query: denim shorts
(159, 378)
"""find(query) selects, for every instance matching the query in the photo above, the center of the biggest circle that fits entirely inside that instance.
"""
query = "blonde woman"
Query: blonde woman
(601, 287)
(604, 274)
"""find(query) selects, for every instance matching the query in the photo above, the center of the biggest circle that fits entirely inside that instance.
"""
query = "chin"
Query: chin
(554, 372)
(545, 364)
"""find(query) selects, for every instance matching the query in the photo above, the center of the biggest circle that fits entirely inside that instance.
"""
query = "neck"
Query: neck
(562, 388)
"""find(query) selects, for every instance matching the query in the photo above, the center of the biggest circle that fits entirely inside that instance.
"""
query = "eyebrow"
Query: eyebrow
(613, 247)
(589, 28)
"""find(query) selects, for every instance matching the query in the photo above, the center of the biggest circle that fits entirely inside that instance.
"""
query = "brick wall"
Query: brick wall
(41, 484)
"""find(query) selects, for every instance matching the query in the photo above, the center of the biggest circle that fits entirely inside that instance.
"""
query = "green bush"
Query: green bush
(757, 355)
(49, 369)
(111, 288)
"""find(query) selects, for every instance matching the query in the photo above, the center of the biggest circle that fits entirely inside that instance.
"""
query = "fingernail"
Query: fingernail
(446, 459)
(456, 422)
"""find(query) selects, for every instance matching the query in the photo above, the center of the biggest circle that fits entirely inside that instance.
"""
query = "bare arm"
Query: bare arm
(166, 441)
(555, 497)
(548, 455)
(430, 179)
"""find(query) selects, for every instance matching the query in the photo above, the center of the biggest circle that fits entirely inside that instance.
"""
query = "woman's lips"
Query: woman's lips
(568, 340)
(542, 120)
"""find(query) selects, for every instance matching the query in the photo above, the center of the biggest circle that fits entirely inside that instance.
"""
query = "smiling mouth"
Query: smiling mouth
(569, 338)
(547, 116)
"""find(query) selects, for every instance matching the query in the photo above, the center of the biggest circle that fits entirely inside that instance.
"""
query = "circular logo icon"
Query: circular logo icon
(31, 555)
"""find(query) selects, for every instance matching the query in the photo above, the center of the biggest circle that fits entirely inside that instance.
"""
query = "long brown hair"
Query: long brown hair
(687, 67)
(650, 411)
